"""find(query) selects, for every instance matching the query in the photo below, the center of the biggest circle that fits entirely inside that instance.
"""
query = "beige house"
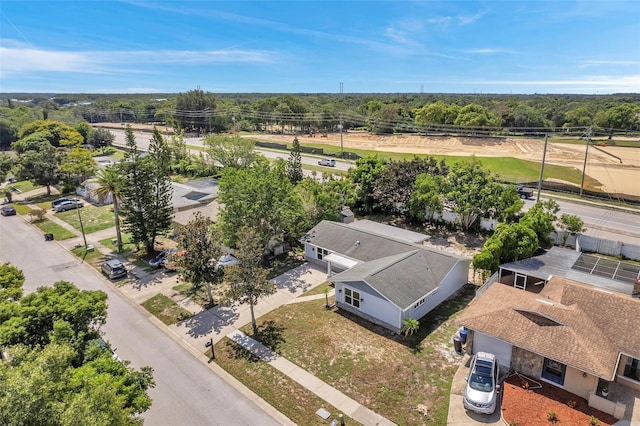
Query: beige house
(579, 337)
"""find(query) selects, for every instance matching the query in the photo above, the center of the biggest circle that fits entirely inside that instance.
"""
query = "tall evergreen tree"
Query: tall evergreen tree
(147, 191)
(294, 164)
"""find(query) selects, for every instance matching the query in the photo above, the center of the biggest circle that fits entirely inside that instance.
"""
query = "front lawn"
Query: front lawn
(165, 309)
(286, 395)
(93, 218)
(49, 227)
(387, 373)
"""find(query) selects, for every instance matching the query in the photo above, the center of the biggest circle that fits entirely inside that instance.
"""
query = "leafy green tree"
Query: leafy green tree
(476, 115)
(570, 224)
(365, 174)
(194, 110)
(60, 134)
(6, 164)
(427, 198)
(410, 326)
(111, 183)
(623, 116)
(11, 281)
(147, 191)
(32, 142)
(198, 265)
(294, 165)
(79, 163)
(42, 167)
(473, 192)
(322, 200)
(100, 138)
(260, 197)
(32, 319)
(509, 242)
(541, 218)
(509, 205)
(84, 129)
(247, 280)
(230, 151)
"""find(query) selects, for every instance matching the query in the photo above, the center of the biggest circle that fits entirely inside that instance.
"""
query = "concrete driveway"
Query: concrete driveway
(458, 416)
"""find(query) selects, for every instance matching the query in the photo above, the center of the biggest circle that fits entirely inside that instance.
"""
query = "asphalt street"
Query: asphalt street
(187, 392)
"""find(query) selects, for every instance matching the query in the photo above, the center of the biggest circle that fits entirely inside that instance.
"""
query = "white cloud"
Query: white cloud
(606, 62)
(600, 84)
(489, 51)
(16, 58)
(469, 19)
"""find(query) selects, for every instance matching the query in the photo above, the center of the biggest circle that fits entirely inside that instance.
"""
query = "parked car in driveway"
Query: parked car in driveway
(481, 392)
(113, 269)
(158, 261)
(68, 205)
(57, 201)
(8, 211)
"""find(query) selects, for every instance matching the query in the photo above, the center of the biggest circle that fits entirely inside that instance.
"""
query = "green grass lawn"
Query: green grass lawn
(347, 353)
(49, 227)
(93, 218)
(287, 396)
(165, 309)
(92, 257)
(25, 186)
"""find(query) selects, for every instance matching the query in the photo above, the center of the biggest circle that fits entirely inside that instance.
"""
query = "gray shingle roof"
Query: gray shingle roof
(400, 271)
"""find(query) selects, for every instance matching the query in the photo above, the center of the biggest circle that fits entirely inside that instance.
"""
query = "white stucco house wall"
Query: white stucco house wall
(382, 273)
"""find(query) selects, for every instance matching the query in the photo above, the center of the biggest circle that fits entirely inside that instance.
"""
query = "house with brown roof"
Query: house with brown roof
(580, 337)
(383, 273)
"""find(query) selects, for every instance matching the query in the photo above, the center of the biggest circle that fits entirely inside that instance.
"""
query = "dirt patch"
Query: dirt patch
(531, 407)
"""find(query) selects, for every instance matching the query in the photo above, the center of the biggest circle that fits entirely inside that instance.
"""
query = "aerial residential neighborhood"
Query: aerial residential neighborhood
(319, 213)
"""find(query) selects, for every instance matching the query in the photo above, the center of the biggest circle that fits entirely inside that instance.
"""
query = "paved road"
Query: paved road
(186, 392)
(600, 222)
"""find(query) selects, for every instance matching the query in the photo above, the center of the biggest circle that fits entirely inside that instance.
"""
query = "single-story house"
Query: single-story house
(382, 273)
(570, 334)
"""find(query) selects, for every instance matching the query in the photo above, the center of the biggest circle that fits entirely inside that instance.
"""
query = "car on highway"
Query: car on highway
(8, 211)
(68, 205)
(113, 269)
(524, 192)
(481, 392)
(329, 162)
(158, 261)
(57, 201)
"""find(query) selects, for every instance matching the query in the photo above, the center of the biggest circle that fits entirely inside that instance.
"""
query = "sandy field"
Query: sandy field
(616, 177)
(603, 161)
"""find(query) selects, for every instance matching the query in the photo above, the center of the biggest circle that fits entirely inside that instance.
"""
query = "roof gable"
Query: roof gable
(567, 321)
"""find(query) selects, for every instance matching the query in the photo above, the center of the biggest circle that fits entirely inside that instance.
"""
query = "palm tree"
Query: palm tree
(410, 326)
(111, 183)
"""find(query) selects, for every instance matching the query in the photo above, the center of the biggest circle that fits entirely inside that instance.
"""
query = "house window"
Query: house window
(632, 369)
(420, 302)
(352, 297)
(553, 371)
(322, 253)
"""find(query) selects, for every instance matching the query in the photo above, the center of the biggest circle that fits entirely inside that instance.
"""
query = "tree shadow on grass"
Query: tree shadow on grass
(271, 335)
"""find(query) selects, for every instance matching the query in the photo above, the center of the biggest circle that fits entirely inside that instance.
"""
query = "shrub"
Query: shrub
(552, 416)
(594, 421)
(572, 404)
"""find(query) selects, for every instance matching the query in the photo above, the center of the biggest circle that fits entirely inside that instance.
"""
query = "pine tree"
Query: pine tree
(294, 164)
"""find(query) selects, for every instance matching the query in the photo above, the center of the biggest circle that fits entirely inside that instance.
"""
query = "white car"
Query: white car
(329, 162)
(481, 392)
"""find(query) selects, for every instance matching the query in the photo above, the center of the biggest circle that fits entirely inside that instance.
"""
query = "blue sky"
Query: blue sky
(535, 46)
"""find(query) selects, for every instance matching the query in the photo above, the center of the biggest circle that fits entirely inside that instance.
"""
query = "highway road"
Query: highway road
(187, 392)
(600, 221)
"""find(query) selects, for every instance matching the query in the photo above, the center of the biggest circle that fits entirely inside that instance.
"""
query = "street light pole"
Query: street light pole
(84, 237)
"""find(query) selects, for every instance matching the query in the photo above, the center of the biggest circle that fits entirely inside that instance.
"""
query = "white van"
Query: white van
(329, 162)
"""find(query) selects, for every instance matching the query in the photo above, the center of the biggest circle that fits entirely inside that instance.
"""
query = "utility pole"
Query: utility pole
(586, 153)
(340, 126)
(544, 156)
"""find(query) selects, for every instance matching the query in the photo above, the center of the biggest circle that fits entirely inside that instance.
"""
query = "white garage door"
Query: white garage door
(502, 350)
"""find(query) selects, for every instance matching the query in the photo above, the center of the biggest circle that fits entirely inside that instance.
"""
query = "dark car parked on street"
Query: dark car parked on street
(8, 211)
